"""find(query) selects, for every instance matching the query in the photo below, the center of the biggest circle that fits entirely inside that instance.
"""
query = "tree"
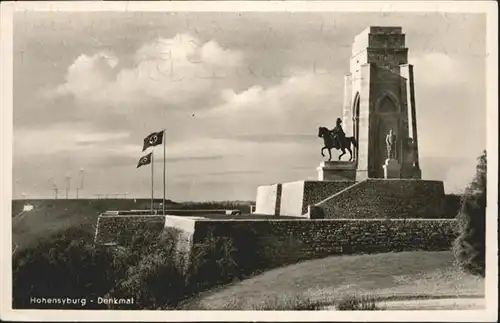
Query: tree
(469, 246)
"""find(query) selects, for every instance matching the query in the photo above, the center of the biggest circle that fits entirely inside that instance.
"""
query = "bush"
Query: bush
(452, 205)
(282, 302)
(153, 276)
(357, 303)
(68, 265)
(212, 263)
(147, 268)
(154, 282)
(287, 302)
(301, 302)
(64, 265)
(469, 247)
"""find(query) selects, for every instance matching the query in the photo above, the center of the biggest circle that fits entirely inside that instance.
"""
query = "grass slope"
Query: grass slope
(50, 216)
(386, 276)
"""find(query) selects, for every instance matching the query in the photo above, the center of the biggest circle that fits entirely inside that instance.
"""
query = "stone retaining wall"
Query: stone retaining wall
(399, 198)
(264, 244)
(115, 229)
(280, 242)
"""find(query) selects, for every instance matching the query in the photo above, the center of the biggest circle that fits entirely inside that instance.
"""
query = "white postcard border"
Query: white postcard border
(487, 7)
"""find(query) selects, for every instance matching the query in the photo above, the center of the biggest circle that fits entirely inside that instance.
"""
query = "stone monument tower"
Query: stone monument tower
(379, 96)
(384, 177)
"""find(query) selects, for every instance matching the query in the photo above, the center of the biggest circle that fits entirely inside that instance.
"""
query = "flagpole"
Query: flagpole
(152, 182)
(164, 167)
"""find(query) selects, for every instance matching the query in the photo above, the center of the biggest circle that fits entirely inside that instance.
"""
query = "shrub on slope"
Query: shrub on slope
(470, 246)
(61, 266)
(154, 278)
(68, 265)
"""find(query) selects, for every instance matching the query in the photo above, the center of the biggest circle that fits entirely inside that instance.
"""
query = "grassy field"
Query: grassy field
(50, 216)
(395, 276)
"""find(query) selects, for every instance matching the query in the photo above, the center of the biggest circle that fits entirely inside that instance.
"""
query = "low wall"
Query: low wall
(114, 229)
(383, 198)
(175, 212)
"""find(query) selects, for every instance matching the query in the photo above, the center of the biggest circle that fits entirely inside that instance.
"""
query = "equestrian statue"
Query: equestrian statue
(337, 139)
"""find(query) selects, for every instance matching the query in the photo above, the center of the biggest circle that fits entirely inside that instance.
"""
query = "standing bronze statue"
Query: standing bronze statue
(390, 141)
(337, 139)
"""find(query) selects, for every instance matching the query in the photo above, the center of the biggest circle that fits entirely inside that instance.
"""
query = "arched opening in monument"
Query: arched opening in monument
(387, 105)
(355, 122)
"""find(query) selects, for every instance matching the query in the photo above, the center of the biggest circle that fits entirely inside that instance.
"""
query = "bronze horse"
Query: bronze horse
(345, 143)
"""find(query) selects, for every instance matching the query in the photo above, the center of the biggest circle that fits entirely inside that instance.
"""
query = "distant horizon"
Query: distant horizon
(240, 94)
(156, 200)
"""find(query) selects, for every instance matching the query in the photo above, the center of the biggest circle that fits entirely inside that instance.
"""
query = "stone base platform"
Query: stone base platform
(336, 171)
(368, 199)
(293, 198)
(386, 199)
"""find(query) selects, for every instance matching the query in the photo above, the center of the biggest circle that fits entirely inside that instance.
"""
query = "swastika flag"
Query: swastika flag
(145, 160)
(154, 139)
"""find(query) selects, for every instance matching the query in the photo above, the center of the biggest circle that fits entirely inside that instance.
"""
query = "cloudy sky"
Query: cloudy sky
(240, 94)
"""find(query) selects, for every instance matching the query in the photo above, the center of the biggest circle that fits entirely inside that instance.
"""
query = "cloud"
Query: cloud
(81, 142)
(219, 174)
(213, 54)
(437, 69)
(98, 137)
(229, 148)
(278, 138)
(290, 92)
(89, 74)
(295, 106)
(76, 138)
(169, 71)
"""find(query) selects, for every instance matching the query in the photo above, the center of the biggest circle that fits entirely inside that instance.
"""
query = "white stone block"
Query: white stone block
(392, 169)
(336, 171)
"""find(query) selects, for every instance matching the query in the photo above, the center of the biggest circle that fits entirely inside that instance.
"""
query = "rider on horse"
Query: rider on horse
(338, 134)
(336, 138)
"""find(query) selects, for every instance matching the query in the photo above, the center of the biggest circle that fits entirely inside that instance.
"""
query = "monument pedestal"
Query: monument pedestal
(392, 169)
(336, 171)
(417, 173)
(411, 172)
